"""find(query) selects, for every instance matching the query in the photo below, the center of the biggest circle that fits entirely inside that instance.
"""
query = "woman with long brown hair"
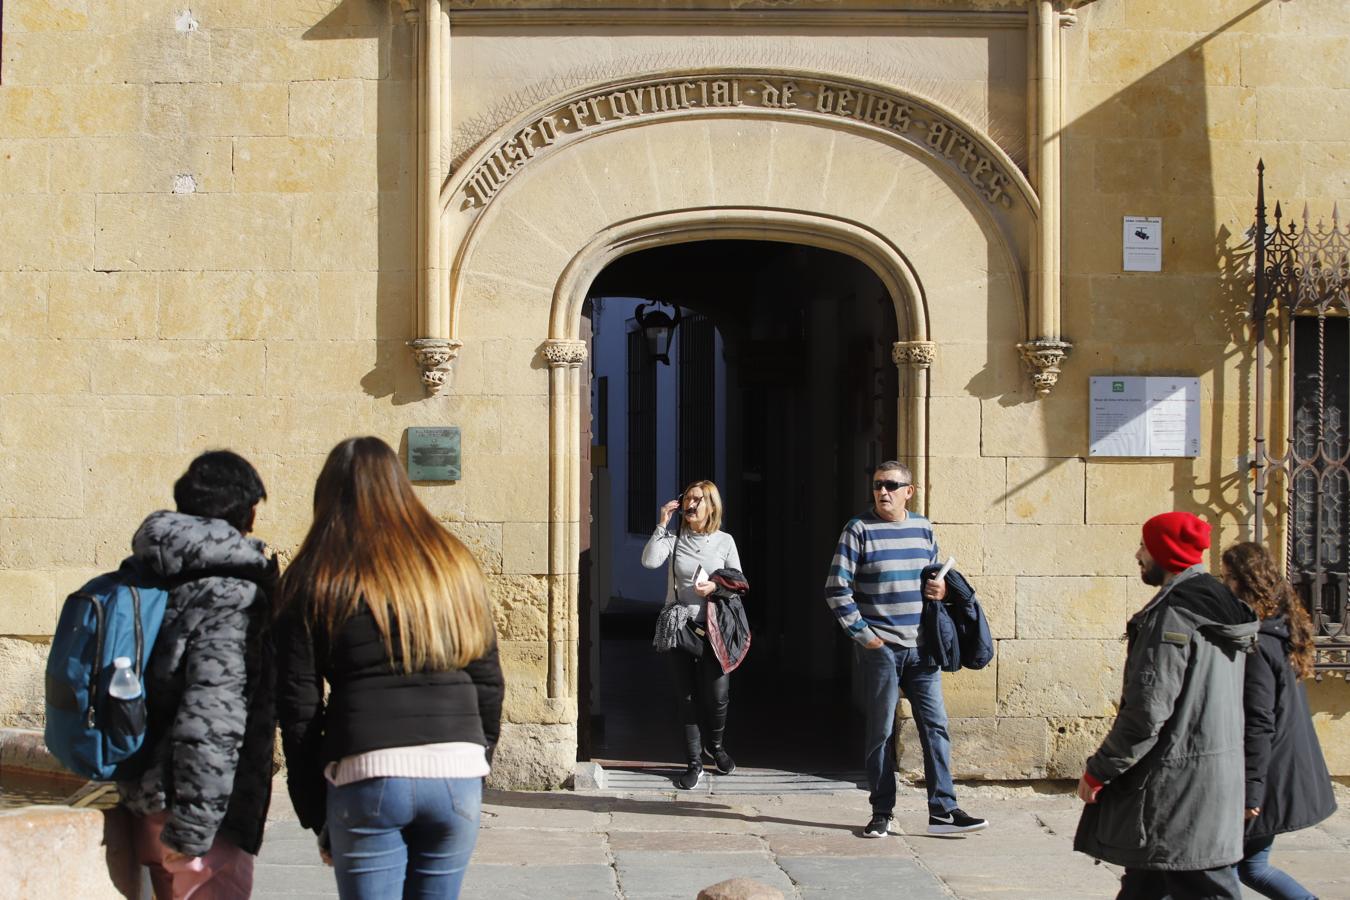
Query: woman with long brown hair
(1288, 786)
(391, 611)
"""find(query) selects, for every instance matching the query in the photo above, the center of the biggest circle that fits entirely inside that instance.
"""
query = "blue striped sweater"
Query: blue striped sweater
(873, 587)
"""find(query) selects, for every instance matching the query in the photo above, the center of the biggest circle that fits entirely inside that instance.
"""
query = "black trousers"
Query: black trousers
(702, 694)
(1199, 884)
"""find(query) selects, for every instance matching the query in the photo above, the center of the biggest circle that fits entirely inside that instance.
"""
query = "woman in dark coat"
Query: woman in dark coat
(1288, 786)
(390, 611)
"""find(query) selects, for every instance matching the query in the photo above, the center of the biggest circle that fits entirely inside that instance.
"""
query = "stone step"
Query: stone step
(742, 781)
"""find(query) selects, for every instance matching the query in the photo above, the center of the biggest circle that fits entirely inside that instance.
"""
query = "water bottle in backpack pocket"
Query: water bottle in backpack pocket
(96, 709)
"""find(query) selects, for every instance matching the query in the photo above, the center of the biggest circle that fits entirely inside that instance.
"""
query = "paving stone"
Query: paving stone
(713, 842)
(838, 844)
(649, 875)
(878, 879)
(496, 882)
(539, 846)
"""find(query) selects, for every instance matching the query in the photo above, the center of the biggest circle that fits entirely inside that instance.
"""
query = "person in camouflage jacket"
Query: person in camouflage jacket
(204, 794)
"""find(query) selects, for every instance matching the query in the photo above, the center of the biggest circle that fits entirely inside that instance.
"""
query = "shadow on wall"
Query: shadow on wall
(395, 374)
(1146, 150)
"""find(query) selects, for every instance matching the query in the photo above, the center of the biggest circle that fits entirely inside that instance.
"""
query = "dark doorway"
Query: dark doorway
(781, 389)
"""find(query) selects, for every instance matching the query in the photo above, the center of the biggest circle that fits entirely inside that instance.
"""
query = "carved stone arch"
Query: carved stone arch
(521, 278)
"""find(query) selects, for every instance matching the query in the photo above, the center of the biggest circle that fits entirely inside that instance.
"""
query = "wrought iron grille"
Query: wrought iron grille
(1303, 289)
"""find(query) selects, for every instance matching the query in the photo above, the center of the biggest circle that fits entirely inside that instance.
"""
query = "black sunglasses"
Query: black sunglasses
(891, 486)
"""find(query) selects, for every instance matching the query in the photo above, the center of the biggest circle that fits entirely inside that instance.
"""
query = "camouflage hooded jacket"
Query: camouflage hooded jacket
(209, 685)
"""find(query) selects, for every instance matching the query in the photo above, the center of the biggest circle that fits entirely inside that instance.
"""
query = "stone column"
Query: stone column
(435, 347)
(565, 359)
(1045, 349)
(913, 359)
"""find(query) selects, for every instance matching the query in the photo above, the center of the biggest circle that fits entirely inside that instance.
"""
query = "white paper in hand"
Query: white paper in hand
(946, 567)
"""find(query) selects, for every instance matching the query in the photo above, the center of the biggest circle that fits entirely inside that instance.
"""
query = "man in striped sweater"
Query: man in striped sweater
(874, 590)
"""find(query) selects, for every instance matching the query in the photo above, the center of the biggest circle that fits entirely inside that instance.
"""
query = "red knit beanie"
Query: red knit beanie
(1176, 540)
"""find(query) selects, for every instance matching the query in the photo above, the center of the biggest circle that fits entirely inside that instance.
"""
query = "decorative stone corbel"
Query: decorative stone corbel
(1043, 358)
(436, 358)
(919, 354)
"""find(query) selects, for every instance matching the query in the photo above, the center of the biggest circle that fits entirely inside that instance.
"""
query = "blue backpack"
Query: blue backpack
(116, 614)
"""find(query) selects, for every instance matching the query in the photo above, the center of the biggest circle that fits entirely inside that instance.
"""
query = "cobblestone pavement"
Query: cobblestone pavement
(649, 844)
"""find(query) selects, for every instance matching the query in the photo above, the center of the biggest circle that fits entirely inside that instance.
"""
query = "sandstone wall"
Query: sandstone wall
(208, 240)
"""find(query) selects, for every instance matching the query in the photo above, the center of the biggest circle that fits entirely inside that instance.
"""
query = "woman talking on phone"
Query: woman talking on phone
(697, 549)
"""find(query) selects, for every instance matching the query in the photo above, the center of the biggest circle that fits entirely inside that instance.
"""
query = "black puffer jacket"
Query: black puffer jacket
(371, 704)
(209, 685)
(1286, 774)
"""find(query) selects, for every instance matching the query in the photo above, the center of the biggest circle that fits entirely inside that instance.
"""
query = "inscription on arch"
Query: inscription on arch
(909, 118)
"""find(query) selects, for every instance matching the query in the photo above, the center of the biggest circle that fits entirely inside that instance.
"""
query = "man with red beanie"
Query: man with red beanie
(1164, 792)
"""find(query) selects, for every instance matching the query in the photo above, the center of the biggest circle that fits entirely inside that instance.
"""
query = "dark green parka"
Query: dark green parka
(1172, 763)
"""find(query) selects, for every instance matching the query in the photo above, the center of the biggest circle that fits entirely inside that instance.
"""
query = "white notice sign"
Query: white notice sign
(1135, 415)
(1143, 244)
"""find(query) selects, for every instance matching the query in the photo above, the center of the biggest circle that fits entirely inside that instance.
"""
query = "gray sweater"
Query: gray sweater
(690, 550)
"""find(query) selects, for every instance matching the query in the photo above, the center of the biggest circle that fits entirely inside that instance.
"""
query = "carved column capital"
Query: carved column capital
(1043, 358)
(563, 353)
(919, 354)
(435, 357)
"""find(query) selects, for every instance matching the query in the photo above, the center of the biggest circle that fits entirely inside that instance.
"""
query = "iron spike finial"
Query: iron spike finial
(1260, 166)
(1306, 215)
(1277, 211)
(1335, 216)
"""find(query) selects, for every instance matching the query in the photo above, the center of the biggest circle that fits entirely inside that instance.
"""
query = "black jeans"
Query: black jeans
(702, 693)
(1198, 884)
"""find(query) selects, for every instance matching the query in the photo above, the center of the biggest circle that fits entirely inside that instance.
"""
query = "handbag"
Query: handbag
(692, 639)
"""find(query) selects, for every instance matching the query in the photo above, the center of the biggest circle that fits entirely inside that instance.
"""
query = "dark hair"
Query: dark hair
(1252, 573)
(220, 484)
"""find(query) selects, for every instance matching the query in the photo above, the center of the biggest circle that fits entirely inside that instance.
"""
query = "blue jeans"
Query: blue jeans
(403, 837)
(1257, 873)
(886, 672)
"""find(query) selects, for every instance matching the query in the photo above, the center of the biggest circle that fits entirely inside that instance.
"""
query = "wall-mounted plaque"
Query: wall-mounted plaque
(1132, 415)
(1143, 244)
(433, 454)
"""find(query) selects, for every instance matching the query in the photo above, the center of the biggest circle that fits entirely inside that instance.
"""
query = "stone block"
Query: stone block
(23, 305)
(24, 166)
(259, 53)
(1045, 491)
(102, 305)
(954, 425)
(532, 756)
(1055, 426)
(170, 367)
(1071, 608)
(965, 542)
(22, 664)
(27, 603)
(189, 232)
(31, 543)
(1072, 741)
(97, 860)
(498, 307)
(1329, 703)
(967, 489)
(1059, 678)
(315, 368)
(998, 597)
(137, 164)
(1131, 165)
(982, 748)
(64, 242)
(484, 540)
(248, 306)
(1060, 550)
(132, 480)
(336, 232)
(525, 548)
(50, 15)
(34, 483)
(71, 110)
(210, 110)
(520, 607)
(327, 108)
(1130, 492)
(971, 693)
(740, 176)
(304, 164)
